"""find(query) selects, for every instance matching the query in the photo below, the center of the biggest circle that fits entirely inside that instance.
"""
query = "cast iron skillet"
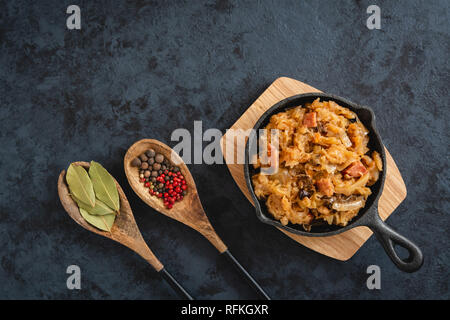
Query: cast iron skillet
(367, 216)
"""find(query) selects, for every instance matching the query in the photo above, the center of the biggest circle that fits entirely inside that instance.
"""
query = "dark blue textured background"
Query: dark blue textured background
(140, 69)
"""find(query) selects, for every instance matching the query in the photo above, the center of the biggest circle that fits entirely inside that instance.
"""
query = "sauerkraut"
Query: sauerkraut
(325, 168)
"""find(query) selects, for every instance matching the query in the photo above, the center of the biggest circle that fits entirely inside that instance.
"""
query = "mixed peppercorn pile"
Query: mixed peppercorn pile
(163, 179)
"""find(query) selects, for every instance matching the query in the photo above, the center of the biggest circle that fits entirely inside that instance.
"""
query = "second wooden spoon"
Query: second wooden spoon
(188, 211)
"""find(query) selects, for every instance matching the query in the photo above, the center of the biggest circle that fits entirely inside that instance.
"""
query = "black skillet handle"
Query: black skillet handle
(175, 285)
(388, 237)
(247, 276)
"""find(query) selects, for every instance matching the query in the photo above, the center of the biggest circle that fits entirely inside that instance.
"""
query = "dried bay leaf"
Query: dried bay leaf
(104, 186)
(100, 209)
(80, 185)
(104, 222)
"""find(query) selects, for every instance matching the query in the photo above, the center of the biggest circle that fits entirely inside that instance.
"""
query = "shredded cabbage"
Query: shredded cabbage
(310, 183)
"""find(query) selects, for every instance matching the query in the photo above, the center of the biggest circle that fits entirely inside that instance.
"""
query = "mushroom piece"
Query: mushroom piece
(306, 186)
(347, 204)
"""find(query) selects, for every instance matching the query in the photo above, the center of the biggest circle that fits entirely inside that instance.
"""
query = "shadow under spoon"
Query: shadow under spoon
(124, 229)
(189, 210)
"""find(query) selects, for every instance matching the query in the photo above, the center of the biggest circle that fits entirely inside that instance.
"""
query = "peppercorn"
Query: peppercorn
(136, 162)
(159, 158)
(163, 179)
(150, 153)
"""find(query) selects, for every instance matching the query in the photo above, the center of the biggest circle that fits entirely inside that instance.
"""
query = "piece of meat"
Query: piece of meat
(325, 186)
(310, 120)
(356, 169)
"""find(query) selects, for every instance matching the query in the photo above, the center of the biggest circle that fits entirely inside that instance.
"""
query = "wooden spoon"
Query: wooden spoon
(124, 229)
(189, 210)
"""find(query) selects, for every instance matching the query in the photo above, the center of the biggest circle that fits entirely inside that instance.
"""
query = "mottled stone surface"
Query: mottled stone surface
(140, 69)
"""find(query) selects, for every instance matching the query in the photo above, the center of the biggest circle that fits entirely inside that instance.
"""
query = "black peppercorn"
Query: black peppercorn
(159, 158)
(150, 153)
(136, 162)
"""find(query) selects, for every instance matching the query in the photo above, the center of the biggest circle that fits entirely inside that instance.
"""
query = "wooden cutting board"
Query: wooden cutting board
(342, 246)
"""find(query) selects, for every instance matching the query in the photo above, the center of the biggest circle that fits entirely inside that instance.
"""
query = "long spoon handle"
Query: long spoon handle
(246, 275)
(175, 285)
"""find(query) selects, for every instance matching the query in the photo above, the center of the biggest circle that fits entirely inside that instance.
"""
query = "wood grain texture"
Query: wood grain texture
(188, 211)
(124, 229)
(344, 245)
